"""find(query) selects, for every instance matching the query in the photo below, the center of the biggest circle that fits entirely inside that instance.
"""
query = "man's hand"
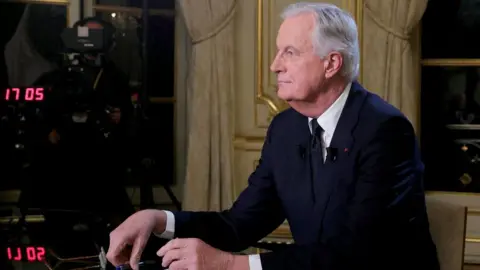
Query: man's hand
(128, 240)
(115, 115)
(194, 254)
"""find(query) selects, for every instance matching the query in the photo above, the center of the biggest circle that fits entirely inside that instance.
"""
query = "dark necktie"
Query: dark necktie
(316, 142)
(316, 155)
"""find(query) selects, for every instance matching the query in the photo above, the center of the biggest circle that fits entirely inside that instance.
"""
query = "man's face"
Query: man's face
(300, 71)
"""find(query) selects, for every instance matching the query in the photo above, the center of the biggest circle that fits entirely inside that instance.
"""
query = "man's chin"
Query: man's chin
(284, 96)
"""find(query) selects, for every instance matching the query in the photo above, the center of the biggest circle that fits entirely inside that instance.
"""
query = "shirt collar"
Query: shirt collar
(329, 119)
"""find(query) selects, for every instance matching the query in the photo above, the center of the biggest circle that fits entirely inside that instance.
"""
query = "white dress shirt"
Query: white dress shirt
(328, 121)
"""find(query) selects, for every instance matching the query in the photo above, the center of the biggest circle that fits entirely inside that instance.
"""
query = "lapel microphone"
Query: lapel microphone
(332, 153)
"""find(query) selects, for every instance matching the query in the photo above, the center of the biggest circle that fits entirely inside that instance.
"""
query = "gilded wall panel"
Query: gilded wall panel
(245, 163)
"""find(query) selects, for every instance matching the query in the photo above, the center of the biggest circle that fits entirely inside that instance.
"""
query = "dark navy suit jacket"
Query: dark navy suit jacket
(366, 210)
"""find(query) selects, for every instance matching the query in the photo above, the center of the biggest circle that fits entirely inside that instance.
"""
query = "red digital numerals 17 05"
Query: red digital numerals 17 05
(30, 94)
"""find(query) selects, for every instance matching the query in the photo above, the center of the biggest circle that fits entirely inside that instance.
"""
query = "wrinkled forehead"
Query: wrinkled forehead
(296, 31)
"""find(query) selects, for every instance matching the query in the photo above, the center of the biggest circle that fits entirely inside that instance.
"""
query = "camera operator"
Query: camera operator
(109, 81)
(91, 145)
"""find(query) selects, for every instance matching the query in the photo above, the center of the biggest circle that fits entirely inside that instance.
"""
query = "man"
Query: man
(78, 146)
(108, 81)
(341, 165)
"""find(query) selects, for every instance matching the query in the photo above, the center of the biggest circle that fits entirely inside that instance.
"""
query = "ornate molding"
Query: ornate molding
(355, 7)
(261, 96)
(359, 19)
(450, 62)
(246, 144)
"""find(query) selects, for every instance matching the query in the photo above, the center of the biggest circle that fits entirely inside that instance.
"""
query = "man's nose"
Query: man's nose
(277, 65)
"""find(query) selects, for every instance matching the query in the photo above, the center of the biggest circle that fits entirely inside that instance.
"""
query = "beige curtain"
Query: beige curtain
(387, 66)
(24, 64)
(209, 175)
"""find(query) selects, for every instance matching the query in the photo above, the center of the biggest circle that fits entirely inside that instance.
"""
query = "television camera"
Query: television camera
(28, 113)
(67, 92)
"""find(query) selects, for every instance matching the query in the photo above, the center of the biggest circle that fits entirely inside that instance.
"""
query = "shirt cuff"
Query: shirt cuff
(169, 232)
(254, 262)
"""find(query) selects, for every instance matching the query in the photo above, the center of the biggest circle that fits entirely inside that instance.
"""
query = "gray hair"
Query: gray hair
(335, 30)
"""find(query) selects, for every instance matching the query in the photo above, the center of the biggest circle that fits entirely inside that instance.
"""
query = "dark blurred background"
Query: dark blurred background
(66, 177)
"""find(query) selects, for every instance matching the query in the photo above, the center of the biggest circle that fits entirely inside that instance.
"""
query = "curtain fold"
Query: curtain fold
(209, 172)
(388, 66)
(24, 64)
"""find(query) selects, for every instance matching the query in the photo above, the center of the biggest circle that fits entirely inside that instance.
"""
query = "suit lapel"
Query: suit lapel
(342, 142)
(343, 139)
(301, 175)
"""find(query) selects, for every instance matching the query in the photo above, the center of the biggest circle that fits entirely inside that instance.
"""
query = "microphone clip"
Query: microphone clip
(332, 154)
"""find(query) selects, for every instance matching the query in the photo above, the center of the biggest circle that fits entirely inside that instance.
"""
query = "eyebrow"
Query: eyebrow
(289, 47)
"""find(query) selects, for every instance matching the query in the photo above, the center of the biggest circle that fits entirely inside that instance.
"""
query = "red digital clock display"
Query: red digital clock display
(24, 94)
(28, 253)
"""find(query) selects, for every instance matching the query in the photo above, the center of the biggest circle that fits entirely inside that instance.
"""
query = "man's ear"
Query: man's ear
(333, 64)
